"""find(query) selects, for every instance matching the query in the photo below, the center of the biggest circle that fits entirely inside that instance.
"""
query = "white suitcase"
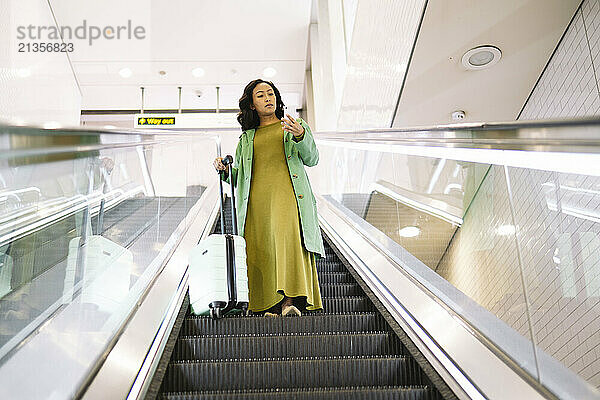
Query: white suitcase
(209, 281)
(218, 271)
(104, 267)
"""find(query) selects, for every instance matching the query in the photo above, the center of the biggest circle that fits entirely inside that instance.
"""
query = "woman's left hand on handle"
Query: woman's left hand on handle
(293, 126)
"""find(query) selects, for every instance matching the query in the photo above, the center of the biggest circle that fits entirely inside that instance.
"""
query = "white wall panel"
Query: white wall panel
(35, 87)
(382, 39)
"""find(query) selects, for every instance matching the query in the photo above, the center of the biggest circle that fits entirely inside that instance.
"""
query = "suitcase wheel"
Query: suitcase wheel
(245, 311)
(215, 313)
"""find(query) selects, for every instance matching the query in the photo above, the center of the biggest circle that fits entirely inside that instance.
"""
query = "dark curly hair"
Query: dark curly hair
(248, 117)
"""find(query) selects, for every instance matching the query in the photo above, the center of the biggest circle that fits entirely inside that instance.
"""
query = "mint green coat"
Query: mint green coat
(298, 154)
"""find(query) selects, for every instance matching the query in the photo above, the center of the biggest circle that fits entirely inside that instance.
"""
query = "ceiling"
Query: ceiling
(526, 31)
(233, 41)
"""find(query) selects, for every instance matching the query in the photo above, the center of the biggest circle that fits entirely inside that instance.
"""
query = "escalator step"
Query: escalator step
(363, 322)
(330, 266)
(329, 254)
(336, 305)
(330, 393)
(287, 345)
(291, 373)
(341, 290)
(335, 277)
(134, 218)
(344, 351)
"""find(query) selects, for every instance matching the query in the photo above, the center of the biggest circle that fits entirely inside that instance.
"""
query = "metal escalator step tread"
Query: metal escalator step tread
(329, 393)
(131, 226)
(292, 373)
(335, 277)
(287, 345)
(341, 290)
(345, 304)
(136, 211)
(330, 266)
(329, 260)
(350, 322)
(125, 209)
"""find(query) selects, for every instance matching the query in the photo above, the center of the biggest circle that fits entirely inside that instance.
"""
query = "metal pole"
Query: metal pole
(142, 99)
(179, 109)
(81, 260)
(222, 201)
(217, 99)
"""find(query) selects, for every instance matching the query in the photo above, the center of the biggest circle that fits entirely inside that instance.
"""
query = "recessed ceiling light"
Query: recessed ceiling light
(17, 121)
(506, 230)
(23, 72)
(555, 257)
(481, 57)
(162, 72)
(269, 72)
(125, 72)
(400, 68)
(198, 72)
(409, 231)
(51, 125)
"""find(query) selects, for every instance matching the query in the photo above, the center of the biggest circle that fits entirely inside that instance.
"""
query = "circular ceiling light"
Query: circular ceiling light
(125, 72)
(198, 72)
(409, 231)
(481, 57)
(51, 125)
(23, 72)
(506, 230)
(269, 72)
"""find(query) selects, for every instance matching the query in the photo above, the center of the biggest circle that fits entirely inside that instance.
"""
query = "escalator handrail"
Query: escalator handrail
(572, 135)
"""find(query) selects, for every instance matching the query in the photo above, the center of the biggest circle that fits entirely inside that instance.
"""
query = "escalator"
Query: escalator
(346, 351)
(40, 259)
(500, 307)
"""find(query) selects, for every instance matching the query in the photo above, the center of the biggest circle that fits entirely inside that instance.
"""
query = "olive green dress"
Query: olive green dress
(277, 260)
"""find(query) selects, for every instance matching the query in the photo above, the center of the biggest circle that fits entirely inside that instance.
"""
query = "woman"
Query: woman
(276, 208)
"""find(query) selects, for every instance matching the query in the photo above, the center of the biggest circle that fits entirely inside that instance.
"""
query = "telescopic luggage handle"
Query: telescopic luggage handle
(228, 162)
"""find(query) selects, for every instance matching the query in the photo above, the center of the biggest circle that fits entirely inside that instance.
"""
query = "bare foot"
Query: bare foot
(270, 314)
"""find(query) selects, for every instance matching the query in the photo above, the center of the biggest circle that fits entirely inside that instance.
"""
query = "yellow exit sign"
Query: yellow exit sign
(156, 121)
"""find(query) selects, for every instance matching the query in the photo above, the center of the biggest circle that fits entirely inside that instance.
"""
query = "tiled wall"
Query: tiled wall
(570, 84)
(482, 259)
(554, 234)
(554, 237)
(558, 233)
